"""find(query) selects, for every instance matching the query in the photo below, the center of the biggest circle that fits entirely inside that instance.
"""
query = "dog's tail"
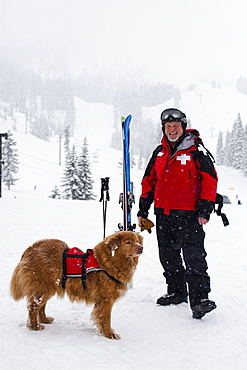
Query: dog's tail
(16, 284)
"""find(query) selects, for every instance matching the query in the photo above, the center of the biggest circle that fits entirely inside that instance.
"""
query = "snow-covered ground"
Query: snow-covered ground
(153, 337)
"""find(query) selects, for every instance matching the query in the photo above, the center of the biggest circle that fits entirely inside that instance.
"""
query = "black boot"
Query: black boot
(202, 307)
(172, 298)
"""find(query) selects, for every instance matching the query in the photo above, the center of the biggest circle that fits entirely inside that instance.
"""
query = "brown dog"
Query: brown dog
(38, 277)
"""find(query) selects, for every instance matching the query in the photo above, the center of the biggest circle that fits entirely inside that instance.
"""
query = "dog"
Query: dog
(38, 277)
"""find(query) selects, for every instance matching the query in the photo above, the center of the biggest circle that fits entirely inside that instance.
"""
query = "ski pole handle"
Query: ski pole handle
(105, 187)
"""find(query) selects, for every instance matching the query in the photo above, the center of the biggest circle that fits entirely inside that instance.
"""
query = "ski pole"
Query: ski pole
(104, 197)
(6, 137)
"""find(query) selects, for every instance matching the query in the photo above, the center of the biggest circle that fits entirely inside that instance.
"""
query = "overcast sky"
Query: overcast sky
(175, 40)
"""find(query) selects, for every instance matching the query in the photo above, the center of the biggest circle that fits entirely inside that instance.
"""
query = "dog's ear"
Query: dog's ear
(113, 241)
(105, 250)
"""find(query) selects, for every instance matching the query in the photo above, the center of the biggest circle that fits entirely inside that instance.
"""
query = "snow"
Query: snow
(100, 117)
(210, 110)
(153, 337)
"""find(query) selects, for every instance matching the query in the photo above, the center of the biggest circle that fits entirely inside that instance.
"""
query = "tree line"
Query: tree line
(77, 182)
(48, 102)
(232, 151)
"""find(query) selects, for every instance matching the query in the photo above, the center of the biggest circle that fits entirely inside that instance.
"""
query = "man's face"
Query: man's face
(173, 130)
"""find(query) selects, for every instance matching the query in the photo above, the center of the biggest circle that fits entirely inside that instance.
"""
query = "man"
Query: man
(181, 181)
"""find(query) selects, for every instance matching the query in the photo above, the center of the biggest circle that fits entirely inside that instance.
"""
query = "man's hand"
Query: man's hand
(145, 224)
(202, 221)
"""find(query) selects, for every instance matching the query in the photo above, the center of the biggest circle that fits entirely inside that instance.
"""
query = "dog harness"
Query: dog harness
(77, 264)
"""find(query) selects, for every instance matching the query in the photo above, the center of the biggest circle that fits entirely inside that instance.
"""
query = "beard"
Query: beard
(172, 140)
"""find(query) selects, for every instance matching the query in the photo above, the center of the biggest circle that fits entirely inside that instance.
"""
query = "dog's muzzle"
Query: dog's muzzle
(139, 250)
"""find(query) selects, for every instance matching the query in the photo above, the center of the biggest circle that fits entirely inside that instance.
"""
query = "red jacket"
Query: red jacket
(183, 179)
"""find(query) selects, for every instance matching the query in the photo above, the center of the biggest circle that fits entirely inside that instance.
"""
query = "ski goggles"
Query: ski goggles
(170, 115)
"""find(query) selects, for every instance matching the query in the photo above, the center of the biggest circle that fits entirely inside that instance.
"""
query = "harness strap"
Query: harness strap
(64, 278)
(113, 278)
(83, 272)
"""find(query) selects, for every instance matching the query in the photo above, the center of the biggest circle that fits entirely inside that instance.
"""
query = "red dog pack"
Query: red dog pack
(76, 264)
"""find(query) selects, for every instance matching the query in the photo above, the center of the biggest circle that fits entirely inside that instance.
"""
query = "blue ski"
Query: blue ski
(127, 197)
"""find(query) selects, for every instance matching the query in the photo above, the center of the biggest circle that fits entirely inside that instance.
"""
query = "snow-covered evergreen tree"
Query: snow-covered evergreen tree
(77, 182)
(84, 174)
(71, 181)
(244, 160)
(116, 140)
(237, 143)
(220, 150)
(55, 194)
(228, 150)
(140, 163)
(132, 161)
(10, 161)
(66, 141)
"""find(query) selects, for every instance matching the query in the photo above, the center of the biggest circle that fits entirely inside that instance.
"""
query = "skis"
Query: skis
(126, 198)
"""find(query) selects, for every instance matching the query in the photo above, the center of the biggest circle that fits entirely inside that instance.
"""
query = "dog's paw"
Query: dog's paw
(36, 327)
(114, 336)
(47, 320)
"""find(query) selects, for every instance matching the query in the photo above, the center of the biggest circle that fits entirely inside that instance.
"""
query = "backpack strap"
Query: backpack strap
(198, 141)
(219, 201)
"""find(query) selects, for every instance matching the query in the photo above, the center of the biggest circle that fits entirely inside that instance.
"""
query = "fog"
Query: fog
(179, 41)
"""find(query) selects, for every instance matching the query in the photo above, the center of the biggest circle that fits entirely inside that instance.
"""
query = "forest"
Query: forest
(232, 152)
(47, 101)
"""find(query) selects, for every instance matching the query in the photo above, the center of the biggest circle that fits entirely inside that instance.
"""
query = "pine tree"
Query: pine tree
(10, 159)
(237, 147)
(132, 161)
(66, 141)
(55, 194)
(228, 150)
(84, 174)
(220, 150)
(140, 163)
(244, 161)
(71, 181)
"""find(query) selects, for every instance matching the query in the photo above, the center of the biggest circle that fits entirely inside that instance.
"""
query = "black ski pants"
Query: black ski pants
(182, 254)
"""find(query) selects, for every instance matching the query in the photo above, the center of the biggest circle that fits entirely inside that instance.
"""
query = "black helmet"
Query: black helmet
(173, 114)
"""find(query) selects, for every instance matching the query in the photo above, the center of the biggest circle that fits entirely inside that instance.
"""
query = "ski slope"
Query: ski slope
(153, 337)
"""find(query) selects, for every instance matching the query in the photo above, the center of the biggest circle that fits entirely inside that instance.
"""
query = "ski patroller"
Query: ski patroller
(127, 197)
